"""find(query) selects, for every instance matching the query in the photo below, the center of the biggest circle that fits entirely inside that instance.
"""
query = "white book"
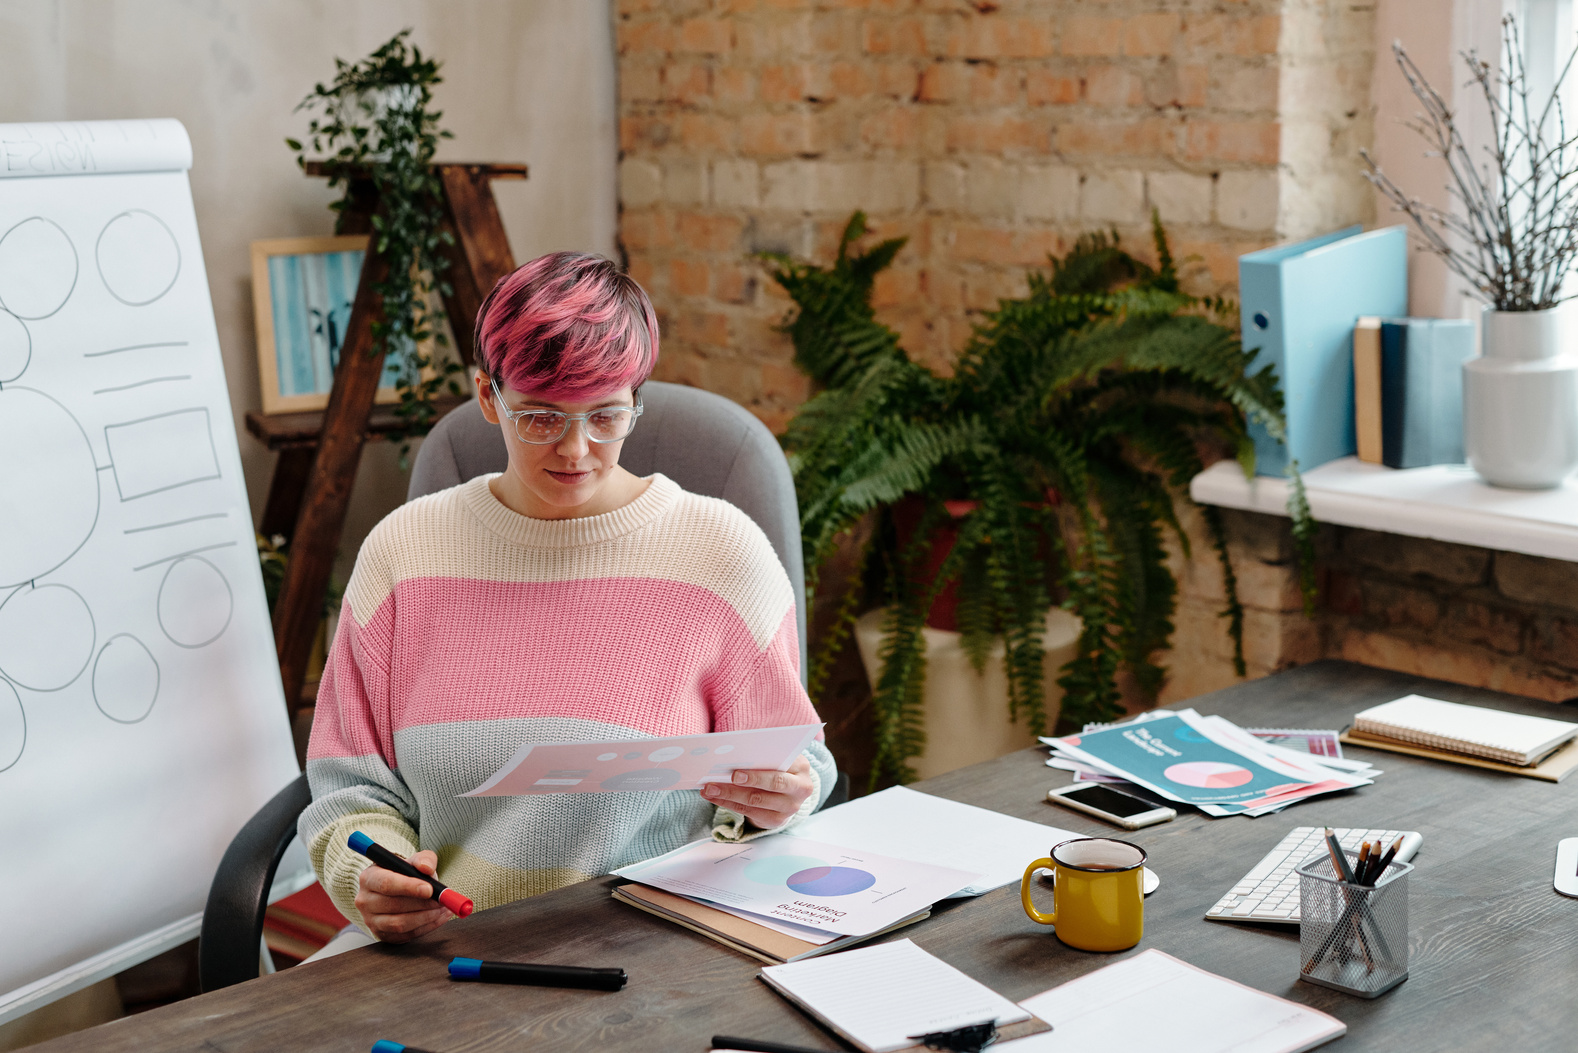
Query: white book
(880, 998)
(1511, 738)
(1153, 1002)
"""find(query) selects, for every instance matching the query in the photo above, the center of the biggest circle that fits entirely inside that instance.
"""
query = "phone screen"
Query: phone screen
(1110, 801)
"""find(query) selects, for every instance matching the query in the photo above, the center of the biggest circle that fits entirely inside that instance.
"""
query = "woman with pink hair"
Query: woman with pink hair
(564, 599)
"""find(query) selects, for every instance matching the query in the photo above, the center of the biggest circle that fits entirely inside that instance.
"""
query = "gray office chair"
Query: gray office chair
(704, 442)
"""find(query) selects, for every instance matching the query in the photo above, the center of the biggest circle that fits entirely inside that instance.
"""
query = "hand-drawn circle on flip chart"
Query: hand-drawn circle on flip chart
(46, 637)
(13, 726)
(16, 347)
(138, 257)
(49, 485)
(195, 602)
(38, 268)
(125, 679)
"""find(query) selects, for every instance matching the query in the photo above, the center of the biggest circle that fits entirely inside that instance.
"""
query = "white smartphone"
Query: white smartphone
(1112, 804)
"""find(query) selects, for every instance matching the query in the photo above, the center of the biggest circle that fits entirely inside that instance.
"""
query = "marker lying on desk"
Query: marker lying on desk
(537, 975)
(383, 1045)
(458, 905)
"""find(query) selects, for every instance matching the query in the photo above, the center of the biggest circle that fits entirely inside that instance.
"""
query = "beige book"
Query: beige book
(1494, 734)
(1367, 388)
(747, 937)
(1554, 768)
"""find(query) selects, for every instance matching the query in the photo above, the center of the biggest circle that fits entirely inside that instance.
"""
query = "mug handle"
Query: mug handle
(1024, 892)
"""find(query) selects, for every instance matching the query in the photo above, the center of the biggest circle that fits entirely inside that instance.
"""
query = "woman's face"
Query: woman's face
(567, 479)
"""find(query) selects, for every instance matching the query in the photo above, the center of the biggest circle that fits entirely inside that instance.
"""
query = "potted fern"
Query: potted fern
(1071, 419)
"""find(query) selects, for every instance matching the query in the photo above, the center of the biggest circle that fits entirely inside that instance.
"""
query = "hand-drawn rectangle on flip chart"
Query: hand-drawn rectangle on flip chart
(162, 452)
(140, 702)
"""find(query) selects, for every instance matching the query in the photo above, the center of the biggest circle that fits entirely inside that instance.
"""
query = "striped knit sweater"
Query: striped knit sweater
(469, 629)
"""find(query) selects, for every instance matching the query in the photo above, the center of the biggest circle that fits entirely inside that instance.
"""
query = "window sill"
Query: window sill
(1447, 502)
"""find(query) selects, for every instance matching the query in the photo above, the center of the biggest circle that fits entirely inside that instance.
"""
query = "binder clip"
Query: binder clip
(972, 1038)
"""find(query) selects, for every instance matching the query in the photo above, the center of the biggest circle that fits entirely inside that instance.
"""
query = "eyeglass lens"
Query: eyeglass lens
(604, 425)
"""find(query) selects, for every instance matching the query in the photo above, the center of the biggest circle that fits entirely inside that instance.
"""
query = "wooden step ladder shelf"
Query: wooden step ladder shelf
(319, 452)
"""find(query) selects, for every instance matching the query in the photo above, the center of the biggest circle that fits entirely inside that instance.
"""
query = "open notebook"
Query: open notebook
(1511, 738)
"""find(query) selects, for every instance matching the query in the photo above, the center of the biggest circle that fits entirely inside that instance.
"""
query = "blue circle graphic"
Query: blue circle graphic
(1189, 734)
(831, 881)
(777, 870)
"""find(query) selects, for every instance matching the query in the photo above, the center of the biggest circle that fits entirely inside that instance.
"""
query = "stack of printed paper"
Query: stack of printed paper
(1208, 762)
(817, 893)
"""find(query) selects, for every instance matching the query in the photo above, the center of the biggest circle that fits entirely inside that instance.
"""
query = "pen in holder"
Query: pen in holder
(1353, 937)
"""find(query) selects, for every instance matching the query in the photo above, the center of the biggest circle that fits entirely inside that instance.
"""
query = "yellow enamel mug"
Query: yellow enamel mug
(1098, 894)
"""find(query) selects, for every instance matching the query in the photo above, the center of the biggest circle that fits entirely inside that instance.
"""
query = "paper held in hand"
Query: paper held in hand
(823, 887)
(679, 762)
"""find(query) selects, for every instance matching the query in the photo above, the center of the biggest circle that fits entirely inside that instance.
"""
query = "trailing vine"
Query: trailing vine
(375, 121)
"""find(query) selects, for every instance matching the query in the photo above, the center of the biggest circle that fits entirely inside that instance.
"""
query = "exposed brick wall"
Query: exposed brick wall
(1500, 620)
(990, 133)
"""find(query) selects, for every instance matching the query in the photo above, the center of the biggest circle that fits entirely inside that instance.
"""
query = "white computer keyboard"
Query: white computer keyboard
(1270, 892)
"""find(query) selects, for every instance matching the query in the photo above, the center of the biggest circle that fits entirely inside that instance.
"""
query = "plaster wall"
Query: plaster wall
(522, 82)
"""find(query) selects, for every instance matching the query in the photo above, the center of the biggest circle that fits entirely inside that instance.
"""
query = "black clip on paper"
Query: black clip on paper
(972, 1038)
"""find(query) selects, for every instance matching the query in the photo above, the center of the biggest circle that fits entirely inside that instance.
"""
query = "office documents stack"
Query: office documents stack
(809, 891)
(1210, 762)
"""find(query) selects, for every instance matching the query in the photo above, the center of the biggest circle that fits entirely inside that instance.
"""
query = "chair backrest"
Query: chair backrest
(704, 442)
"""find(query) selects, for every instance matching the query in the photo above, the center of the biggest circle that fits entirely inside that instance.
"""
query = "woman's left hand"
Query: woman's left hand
(767, 798)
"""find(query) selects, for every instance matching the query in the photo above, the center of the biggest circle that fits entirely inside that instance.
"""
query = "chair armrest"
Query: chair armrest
(228, 947)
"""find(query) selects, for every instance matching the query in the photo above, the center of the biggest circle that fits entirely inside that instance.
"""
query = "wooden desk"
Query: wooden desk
(1493, 949)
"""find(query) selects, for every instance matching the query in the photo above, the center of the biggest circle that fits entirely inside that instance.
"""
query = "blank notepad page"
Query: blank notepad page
(880, 996)
(1153, 1002)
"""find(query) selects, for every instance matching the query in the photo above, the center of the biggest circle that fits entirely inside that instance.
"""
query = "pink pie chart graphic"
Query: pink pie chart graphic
(1209, 775)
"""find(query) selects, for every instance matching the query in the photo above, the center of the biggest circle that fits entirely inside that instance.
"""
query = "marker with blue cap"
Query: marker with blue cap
(537, 975)
(457, 904)
(383, 1045)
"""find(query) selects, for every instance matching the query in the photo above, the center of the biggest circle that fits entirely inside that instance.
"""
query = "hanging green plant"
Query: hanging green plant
(1070, 422)
(375, 121)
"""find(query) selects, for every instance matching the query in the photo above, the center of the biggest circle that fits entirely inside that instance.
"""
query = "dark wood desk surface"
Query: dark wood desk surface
(1492, 961)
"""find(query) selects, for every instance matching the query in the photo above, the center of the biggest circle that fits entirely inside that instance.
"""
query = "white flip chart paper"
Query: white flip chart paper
(141, 716)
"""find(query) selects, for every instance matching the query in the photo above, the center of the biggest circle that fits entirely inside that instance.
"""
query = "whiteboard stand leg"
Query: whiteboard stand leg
(265, 959)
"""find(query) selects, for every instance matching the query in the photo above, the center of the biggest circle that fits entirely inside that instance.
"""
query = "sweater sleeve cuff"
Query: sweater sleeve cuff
(340, 869)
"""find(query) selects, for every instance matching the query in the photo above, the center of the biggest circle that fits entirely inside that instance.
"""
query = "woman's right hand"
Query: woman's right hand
(396, 908)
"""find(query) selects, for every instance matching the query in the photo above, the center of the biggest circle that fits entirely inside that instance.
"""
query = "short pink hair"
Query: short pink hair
(567, 327)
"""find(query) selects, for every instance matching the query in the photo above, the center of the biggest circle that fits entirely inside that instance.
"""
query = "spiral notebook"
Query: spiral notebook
(1511, 738)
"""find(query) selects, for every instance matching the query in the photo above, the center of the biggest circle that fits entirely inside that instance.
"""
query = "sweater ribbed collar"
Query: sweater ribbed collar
(659, 496)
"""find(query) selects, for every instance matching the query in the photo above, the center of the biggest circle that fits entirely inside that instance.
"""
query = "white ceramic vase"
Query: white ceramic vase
(1520, 401)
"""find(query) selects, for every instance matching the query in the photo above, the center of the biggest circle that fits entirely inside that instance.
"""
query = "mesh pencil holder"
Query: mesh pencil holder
(1353, 938)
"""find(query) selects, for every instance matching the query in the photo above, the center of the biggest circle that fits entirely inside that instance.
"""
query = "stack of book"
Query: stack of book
(1538, 747)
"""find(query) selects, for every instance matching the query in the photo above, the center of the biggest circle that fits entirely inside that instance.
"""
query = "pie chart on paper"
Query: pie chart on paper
(1208, 775)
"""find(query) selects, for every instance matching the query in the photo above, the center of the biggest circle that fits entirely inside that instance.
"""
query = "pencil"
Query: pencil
(1379, 870)
(1363, 866)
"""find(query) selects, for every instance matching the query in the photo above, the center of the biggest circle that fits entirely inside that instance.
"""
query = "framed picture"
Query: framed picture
(302, 292)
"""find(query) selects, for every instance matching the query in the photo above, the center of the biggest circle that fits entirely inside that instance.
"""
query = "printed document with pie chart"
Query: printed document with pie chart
(1182, 757)
(794, 879)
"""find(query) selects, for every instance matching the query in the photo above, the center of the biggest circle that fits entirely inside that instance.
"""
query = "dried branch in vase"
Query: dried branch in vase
(1513, 230)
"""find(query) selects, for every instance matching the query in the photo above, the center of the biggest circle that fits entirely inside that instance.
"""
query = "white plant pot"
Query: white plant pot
(965, 712)
(1520, 401)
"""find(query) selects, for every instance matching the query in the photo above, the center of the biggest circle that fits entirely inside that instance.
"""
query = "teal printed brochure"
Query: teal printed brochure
(1178, 757)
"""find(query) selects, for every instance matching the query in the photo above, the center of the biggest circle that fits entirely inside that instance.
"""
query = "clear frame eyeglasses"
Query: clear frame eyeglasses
(540, 427)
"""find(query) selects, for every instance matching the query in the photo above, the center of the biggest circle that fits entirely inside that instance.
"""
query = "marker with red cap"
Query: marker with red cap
(457, 904)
